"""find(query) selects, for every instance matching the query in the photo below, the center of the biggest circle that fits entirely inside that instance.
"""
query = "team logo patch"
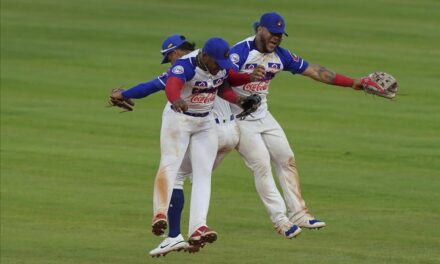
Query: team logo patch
(279, 23)
(234, 57)
(273, 65)
(177, 69)
(201, 84)
(217, 82)
(250, 66)
(170, 45)
(294, 57)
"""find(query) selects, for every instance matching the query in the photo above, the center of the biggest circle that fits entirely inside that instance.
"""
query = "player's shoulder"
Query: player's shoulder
(286, 55)
(282, 52)
(245, 44)
(185, 65)
(241, 49)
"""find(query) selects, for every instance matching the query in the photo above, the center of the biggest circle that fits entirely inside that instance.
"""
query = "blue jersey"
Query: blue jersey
(200, 87)
(246, 57)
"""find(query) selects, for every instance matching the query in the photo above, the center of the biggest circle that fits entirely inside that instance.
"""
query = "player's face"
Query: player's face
(269, 41)
(212, 65)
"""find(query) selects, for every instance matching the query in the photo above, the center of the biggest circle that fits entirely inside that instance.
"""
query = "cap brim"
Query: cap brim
(165, 57)
(225, 64)
(278, 32)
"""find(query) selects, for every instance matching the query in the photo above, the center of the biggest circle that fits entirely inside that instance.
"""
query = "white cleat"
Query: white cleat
(289, 230)
(168, 245)
(312, 224)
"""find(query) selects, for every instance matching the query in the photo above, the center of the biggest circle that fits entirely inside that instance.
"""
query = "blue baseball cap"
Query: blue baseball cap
(273, 21)
(218, 49)
(170, 44)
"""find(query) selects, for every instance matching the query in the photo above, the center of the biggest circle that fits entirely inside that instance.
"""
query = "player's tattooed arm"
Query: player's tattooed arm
(320, 73)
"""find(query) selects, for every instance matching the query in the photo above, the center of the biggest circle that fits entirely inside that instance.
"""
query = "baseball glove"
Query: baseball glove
(380, 84)
(116, 99)
(249, 104)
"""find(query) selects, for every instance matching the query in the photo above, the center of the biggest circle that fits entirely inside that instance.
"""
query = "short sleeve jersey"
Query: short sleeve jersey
(200, 88)
(246, 57)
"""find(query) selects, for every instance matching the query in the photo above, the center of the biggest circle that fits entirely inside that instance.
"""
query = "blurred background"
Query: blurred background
(77, 177)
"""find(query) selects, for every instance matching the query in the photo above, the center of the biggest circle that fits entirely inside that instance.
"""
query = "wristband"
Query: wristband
(341, 80)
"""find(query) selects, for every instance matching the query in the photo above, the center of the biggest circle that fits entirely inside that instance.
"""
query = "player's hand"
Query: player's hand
(258, 74)
(180, 106)
(117, 99)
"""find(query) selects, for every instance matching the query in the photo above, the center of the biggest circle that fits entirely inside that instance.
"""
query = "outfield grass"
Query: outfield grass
(76, 177)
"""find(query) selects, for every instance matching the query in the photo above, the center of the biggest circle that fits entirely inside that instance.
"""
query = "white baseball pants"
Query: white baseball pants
(263, 141)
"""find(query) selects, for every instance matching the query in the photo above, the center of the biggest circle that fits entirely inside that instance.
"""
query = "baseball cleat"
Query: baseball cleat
(168, 245)
(200, 238)
(193, 249)
(312, 224)
(159, 224)
(293, 231)
(288, 230)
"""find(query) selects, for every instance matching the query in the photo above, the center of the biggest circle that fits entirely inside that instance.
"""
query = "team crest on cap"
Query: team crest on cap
(178, 69)
(170, 45)
(234, 57)
(279, 23)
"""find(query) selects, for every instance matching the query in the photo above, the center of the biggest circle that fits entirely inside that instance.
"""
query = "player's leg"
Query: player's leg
(256, 156)
(228, 136)
(177, 197)
(174, 143)
(284, 161)
(175, 240)
(203, 149)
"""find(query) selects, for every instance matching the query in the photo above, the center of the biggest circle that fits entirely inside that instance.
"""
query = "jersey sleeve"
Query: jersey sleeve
(145, 89)
(239, 53)
(182, 69)
(291, 61)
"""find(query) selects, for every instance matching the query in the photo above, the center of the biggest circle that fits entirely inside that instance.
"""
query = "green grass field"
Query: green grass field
(77, 177)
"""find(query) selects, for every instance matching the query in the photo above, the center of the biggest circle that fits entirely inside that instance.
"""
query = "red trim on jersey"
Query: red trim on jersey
(237, 79)
(173, 88)
(229, 95)
(342, 80)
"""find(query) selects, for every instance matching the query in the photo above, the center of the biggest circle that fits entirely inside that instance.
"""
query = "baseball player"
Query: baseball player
(173, 48)
(262, 139)
(191, 87)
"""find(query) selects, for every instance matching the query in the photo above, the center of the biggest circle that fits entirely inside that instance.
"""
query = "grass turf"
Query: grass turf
(76, 177)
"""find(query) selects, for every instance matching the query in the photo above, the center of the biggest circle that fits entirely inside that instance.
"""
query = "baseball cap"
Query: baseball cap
(274, 22)
(218, 49)
(171, 43)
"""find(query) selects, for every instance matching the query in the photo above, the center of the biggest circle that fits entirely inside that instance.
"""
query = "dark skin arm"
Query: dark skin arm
(324, 75)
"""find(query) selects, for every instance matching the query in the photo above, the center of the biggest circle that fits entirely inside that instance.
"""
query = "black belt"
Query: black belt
(194, 114)
(224, 120)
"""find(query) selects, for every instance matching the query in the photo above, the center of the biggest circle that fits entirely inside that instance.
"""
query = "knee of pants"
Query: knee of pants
(287, 163)
(261, 168)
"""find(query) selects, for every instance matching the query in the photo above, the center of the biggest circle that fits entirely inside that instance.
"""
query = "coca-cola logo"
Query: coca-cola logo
(203, 98)
(256, 86)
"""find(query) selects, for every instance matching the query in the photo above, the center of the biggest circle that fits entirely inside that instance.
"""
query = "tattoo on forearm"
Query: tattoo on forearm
(324, 75)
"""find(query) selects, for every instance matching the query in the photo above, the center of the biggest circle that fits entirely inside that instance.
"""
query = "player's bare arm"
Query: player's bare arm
(322, 74)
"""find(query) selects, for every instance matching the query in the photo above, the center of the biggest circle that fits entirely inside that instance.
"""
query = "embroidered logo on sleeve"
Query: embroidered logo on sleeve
(178, 69)
(234, 58)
